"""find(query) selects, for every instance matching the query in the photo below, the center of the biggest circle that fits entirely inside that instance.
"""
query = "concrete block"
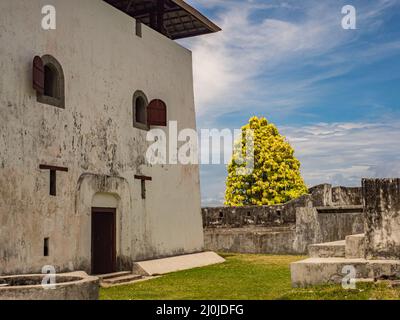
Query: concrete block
(179, 263)
(322, 271)
(327, 250)
(382, 217)
(355, 246)
(318, 271)
(379, 268)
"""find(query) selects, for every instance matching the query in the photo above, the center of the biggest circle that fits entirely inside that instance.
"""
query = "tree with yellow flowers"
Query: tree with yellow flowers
(276, 176)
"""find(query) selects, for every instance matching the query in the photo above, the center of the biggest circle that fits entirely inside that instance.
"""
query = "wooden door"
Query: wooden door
(103, 241)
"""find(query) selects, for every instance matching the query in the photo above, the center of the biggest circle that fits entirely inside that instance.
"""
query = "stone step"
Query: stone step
(334, 249)
(122, 279)
(177, 263)
(113, 275)
(355, 246)
(320, 271)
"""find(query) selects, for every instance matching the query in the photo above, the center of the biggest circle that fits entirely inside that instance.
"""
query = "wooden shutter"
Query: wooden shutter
(157, 113)
(38, 75)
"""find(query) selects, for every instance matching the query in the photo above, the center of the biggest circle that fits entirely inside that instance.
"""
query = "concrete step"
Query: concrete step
(320, 271)
(334, 249)
(122, 279)
(355, 246)
(177, 263)
(113, 275)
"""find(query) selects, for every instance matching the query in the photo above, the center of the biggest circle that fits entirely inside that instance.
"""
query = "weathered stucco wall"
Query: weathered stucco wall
(317, 226)
(382, 216)
(104, 63)
(272, 240)
(326, 214)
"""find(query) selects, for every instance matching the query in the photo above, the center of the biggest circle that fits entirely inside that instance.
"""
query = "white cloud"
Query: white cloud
(228, 65)
(343, 153)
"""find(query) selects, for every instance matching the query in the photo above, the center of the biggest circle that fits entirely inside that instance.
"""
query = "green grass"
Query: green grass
(255, 277)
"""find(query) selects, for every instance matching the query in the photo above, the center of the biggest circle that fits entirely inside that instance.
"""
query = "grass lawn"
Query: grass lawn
(242, 276)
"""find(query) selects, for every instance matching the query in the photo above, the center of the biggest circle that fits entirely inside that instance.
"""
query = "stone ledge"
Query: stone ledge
(320, 271)
(178, 263)
(327, 250)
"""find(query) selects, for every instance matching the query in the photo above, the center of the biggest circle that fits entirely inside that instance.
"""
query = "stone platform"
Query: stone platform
(373, 255)
(327, 260)
(178, 263)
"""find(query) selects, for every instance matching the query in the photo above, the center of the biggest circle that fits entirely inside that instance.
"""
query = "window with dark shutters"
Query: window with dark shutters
(48, 81)
(38, 75)
(157, 113)
(140, 103)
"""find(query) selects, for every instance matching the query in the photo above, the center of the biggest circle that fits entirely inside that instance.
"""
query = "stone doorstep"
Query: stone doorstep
(118, 278)
(327, 250)
(320, 271)
(113, 275)
(122, 279)
(141, 279)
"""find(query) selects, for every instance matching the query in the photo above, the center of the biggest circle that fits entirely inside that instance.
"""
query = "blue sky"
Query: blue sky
(334, 93)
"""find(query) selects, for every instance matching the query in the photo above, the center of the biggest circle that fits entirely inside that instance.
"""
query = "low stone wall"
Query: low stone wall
(278, 215)
(313, 225)
(267, 216)
(273, 240)
(288, 228)
(345, 196)
(69, 286)
(382, 214)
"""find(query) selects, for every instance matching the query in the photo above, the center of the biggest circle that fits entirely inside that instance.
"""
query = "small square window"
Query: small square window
(53, 183)
(46, 251)
(138, 28)
(143, 189)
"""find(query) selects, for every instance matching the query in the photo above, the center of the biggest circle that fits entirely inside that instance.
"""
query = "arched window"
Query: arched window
(140, 103)
(48, 81)
(157, 113)
(140, 107)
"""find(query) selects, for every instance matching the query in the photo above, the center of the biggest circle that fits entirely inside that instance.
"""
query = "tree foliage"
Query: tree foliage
(276, 176)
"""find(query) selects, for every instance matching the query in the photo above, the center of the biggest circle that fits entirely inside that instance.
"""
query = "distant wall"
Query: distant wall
(326, 195)
(273, 240)
(319, 196)
(288, 228)
(238, 217)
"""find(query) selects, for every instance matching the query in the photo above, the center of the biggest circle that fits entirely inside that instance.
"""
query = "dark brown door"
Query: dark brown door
(103, 241)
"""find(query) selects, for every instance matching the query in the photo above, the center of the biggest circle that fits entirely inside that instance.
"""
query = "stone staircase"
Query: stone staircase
(118, 278)
(327, 261)
(327, 250)
(351, 248)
